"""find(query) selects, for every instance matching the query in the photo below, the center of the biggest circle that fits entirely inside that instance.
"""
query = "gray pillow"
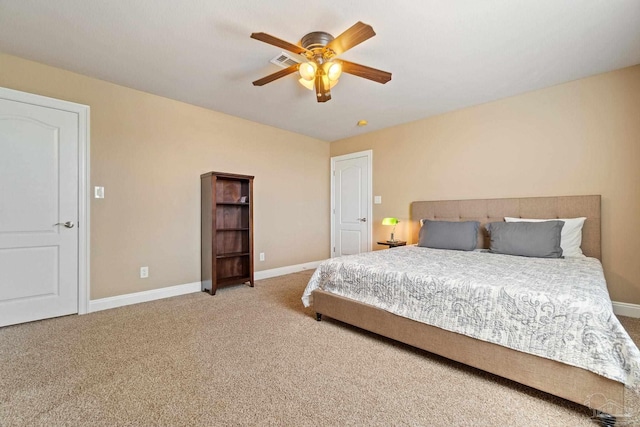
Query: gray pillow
(460, 236)
(531, 239)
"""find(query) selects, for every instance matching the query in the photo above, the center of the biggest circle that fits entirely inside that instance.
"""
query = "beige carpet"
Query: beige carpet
(247, 357)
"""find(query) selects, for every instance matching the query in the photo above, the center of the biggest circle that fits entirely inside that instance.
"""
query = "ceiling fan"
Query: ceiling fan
(322, 69)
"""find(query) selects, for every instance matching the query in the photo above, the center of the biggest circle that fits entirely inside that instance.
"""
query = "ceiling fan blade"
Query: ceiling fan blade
(353, 36)
(365, 72)
(264, 37)
(275, 76)
(323, 93)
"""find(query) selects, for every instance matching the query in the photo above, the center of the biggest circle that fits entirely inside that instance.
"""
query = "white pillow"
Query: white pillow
(570, 237)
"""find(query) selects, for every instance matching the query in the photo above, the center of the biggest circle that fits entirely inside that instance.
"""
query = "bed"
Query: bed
(606, 391)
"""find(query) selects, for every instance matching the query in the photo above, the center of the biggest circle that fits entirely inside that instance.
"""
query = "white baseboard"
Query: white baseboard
(626, 309)
(266, 274)
(144, 296)
(172, 291)
(619, 308)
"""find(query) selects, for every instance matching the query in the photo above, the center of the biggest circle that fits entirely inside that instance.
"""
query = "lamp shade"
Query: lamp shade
(390, 221)
(306, 83)
(333, 70)
(307, 70)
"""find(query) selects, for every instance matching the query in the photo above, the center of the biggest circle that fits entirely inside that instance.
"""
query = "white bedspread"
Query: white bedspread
(554, 308)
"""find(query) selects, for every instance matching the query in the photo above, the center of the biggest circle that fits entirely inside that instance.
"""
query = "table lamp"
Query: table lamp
(391, 221)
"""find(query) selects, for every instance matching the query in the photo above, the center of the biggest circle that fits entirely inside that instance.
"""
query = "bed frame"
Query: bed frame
(571, 383)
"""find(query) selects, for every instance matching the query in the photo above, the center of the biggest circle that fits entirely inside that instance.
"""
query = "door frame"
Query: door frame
(369, 155)
(84, 228)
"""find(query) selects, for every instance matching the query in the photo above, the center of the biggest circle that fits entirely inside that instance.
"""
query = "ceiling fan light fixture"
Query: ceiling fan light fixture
(326, 78)
(307, 71)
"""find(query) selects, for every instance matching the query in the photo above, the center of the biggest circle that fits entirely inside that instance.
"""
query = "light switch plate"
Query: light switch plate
(98, 192)
(377, 200)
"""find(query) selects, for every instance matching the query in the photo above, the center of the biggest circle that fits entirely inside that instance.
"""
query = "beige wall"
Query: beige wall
(582, 137)
(148, 152)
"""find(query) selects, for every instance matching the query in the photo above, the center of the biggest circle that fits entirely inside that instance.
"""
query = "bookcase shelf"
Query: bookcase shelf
(227, 230)
(232, 255)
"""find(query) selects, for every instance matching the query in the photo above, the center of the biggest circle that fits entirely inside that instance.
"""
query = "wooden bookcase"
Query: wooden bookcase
(227, 230)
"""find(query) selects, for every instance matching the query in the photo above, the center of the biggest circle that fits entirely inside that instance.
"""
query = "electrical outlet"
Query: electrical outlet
(144, 272)
(261, 256)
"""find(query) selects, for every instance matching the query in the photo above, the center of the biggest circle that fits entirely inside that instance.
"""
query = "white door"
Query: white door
(351, 211)
(38, 212)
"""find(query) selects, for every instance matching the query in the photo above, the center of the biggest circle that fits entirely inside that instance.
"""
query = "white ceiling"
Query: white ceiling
(444, 55)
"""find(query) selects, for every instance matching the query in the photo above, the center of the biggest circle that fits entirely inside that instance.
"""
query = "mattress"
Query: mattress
(554, 308)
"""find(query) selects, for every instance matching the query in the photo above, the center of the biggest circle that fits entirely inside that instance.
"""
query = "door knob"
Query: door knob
(68, 224)
(362, 219)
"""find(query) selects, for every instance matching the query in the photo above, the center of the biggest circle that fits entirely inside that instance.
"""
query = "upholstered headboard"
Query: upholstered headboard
(491, 210)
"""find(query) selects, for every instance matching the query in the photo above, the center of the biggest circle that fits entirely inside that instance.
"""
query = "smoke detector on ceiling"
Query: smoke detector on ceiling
(285, 60)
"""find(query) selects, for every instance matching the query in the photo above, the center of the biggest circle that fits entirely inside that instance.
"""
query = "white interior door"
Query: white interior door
(39, 151)
(351, 199)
